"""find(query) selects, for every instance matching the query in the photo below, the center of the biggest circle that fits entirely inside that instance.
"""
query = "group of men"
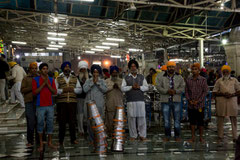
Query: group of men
(73, 93)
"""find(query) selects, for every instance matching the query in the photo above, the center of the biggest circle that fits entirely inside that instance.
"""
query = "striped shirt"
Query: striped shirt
(196, 90)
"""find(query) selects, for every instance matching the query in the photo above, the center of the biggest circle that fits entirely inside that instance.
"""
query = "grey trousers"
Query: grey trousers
(139, 128)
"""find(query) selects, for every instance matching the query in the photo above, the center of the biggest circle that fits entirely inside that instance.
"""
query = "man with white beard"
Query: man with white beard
(226, 90)
(82, 77)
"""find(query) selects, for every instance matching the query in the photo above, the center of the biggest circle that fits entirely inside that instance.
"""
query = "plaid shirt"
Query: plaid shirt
(196, 90)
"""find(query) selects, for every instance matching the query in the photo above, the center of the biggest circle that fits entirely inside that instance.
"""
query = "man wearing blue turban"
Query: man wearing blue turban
(68, 87)
(114, 97)
(94, 88)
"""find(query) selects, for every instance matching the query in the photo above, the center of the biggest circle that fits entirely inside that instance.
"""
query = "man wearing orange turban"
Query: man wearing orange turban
(226, 91)
(30, 108)
(196, 90)
(171, 85)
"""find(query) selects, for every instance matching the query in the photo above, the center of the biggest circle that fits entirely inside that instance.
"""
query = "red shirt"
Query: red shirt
(44, 97)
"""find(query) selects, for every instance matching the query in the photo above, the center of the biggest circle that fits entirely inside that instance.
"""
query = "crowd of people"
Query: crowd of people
(38, 93)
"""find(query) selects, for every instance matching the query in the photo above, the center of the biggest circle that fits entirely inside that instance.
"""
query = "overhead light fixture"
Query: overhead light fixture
(57, 34)
(18, 42)
(97, 62)
(115, 39)
(56, 39)
(60, 54)
(17, 56)
(56, 46)
(63, 44)
(109, 44)
(90, 52)
(103, 47)
(135, 50)
(79, 57)
(112, 56)
(86, 0)
(49, 48)
(40, 49)
(98, 50)
(55, 20)
(224, 41)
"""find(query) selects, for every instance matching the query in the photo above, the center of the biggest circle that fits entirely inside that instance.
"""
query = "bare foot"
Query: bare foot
(29, 145)
(178, 139)
(165, 139)
(40, 148)
(50, 145)
(132, 139)
(191, 140)
(201, 140)
(75, 142)
(143, 139)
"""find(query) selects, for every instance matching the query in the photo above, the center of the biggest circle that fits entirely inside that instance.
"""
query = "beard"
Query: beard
(171, 71)
(81, 75)
(226, 77)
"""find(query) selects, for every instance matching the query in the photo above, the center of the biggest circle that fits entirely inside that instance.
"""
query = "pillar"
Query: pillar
(201, 56)
(232, 50)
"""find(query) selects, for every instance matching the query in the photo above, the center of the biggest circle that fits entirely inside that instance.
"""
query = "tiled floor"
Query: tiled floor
(13, 147)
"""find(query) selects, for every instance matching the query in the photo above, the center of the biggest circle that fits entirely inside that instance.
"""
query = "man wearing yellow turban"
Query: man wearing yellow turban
(171, 85)
(30, 108)
(226, 91)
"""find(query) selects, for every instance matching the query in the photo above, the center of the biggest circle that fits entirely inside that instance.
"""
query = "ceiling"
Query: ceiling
(144, 24)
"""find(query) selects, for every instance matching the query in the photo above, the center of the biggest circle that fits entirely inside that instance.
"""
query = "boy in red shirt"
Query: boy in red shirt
(44, 87)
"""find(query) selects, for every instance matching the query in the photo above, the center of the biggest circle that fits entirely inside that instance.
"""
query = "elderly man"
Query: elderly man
(68, 87)
(196, 90)
(135, 85)
(82, 77)
(171, 85)
(95, 88)
(226, 91)
(30, 106)
(114, 97)
(17, 76)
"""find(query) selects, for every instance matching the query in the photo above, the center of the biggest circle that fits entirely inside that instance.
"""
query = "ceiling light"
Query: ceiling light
(135, 50)
(17, 56)
(98, 50)
(103, 47)
(60, 43)
(115, 56)
(18, 42)
(109, 44)
(56, 46)
(49, 48)
(55, 20)
(224, 41)
(40, 49)
(56, 39)
(86, 0)
(115, 39)
(91, 52)
(57, 34)
(79, 57)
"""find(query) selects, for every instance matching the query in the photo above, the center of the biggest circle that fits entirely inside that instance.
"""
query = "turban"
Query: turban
(82, 64)
(43, 65)
(11, 64)
(112, 68)
(97, 67)
(33, 64)
(65, 64)
(171, 63)
(132, 62)
(226, 67)
(164, 68)
(196, 65)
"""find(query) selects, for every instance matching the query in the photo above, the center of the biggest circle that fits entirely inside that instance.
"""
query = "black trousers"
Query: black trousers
(196, 117)
(66, 114)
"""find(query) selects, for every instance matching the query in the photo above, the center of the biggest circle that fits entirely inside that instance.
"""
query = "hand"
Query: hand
(95, 79)
(115, 86)
(84, 79)
(135, 86)
(171, 92)
(45, 80)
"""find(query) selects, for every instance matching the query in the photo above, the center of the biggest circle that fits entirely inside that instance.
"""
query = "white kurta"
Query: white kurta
(136, 112)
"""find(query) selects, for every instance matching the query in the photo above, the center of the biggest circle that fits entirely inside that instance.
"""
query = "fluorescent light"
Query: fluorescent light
(44, 54)
(57, 34)
(18, 42)
(60, 54)
(91, 52)
(26, 54)
(55, 20)
(34, 54)
(109, 44)
(86, 0)
(49, 48)
(95, 49)
(103, 47)
(97, 62)
(56, 39)
(115, 56)
(224, 41)
(115, 39)
(40, 49)
(56, 46)
(63, 44)
(135, 50)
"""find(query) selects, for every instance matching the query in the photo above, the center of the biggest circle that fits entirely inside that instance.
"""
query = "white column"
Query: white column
(201, 56)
